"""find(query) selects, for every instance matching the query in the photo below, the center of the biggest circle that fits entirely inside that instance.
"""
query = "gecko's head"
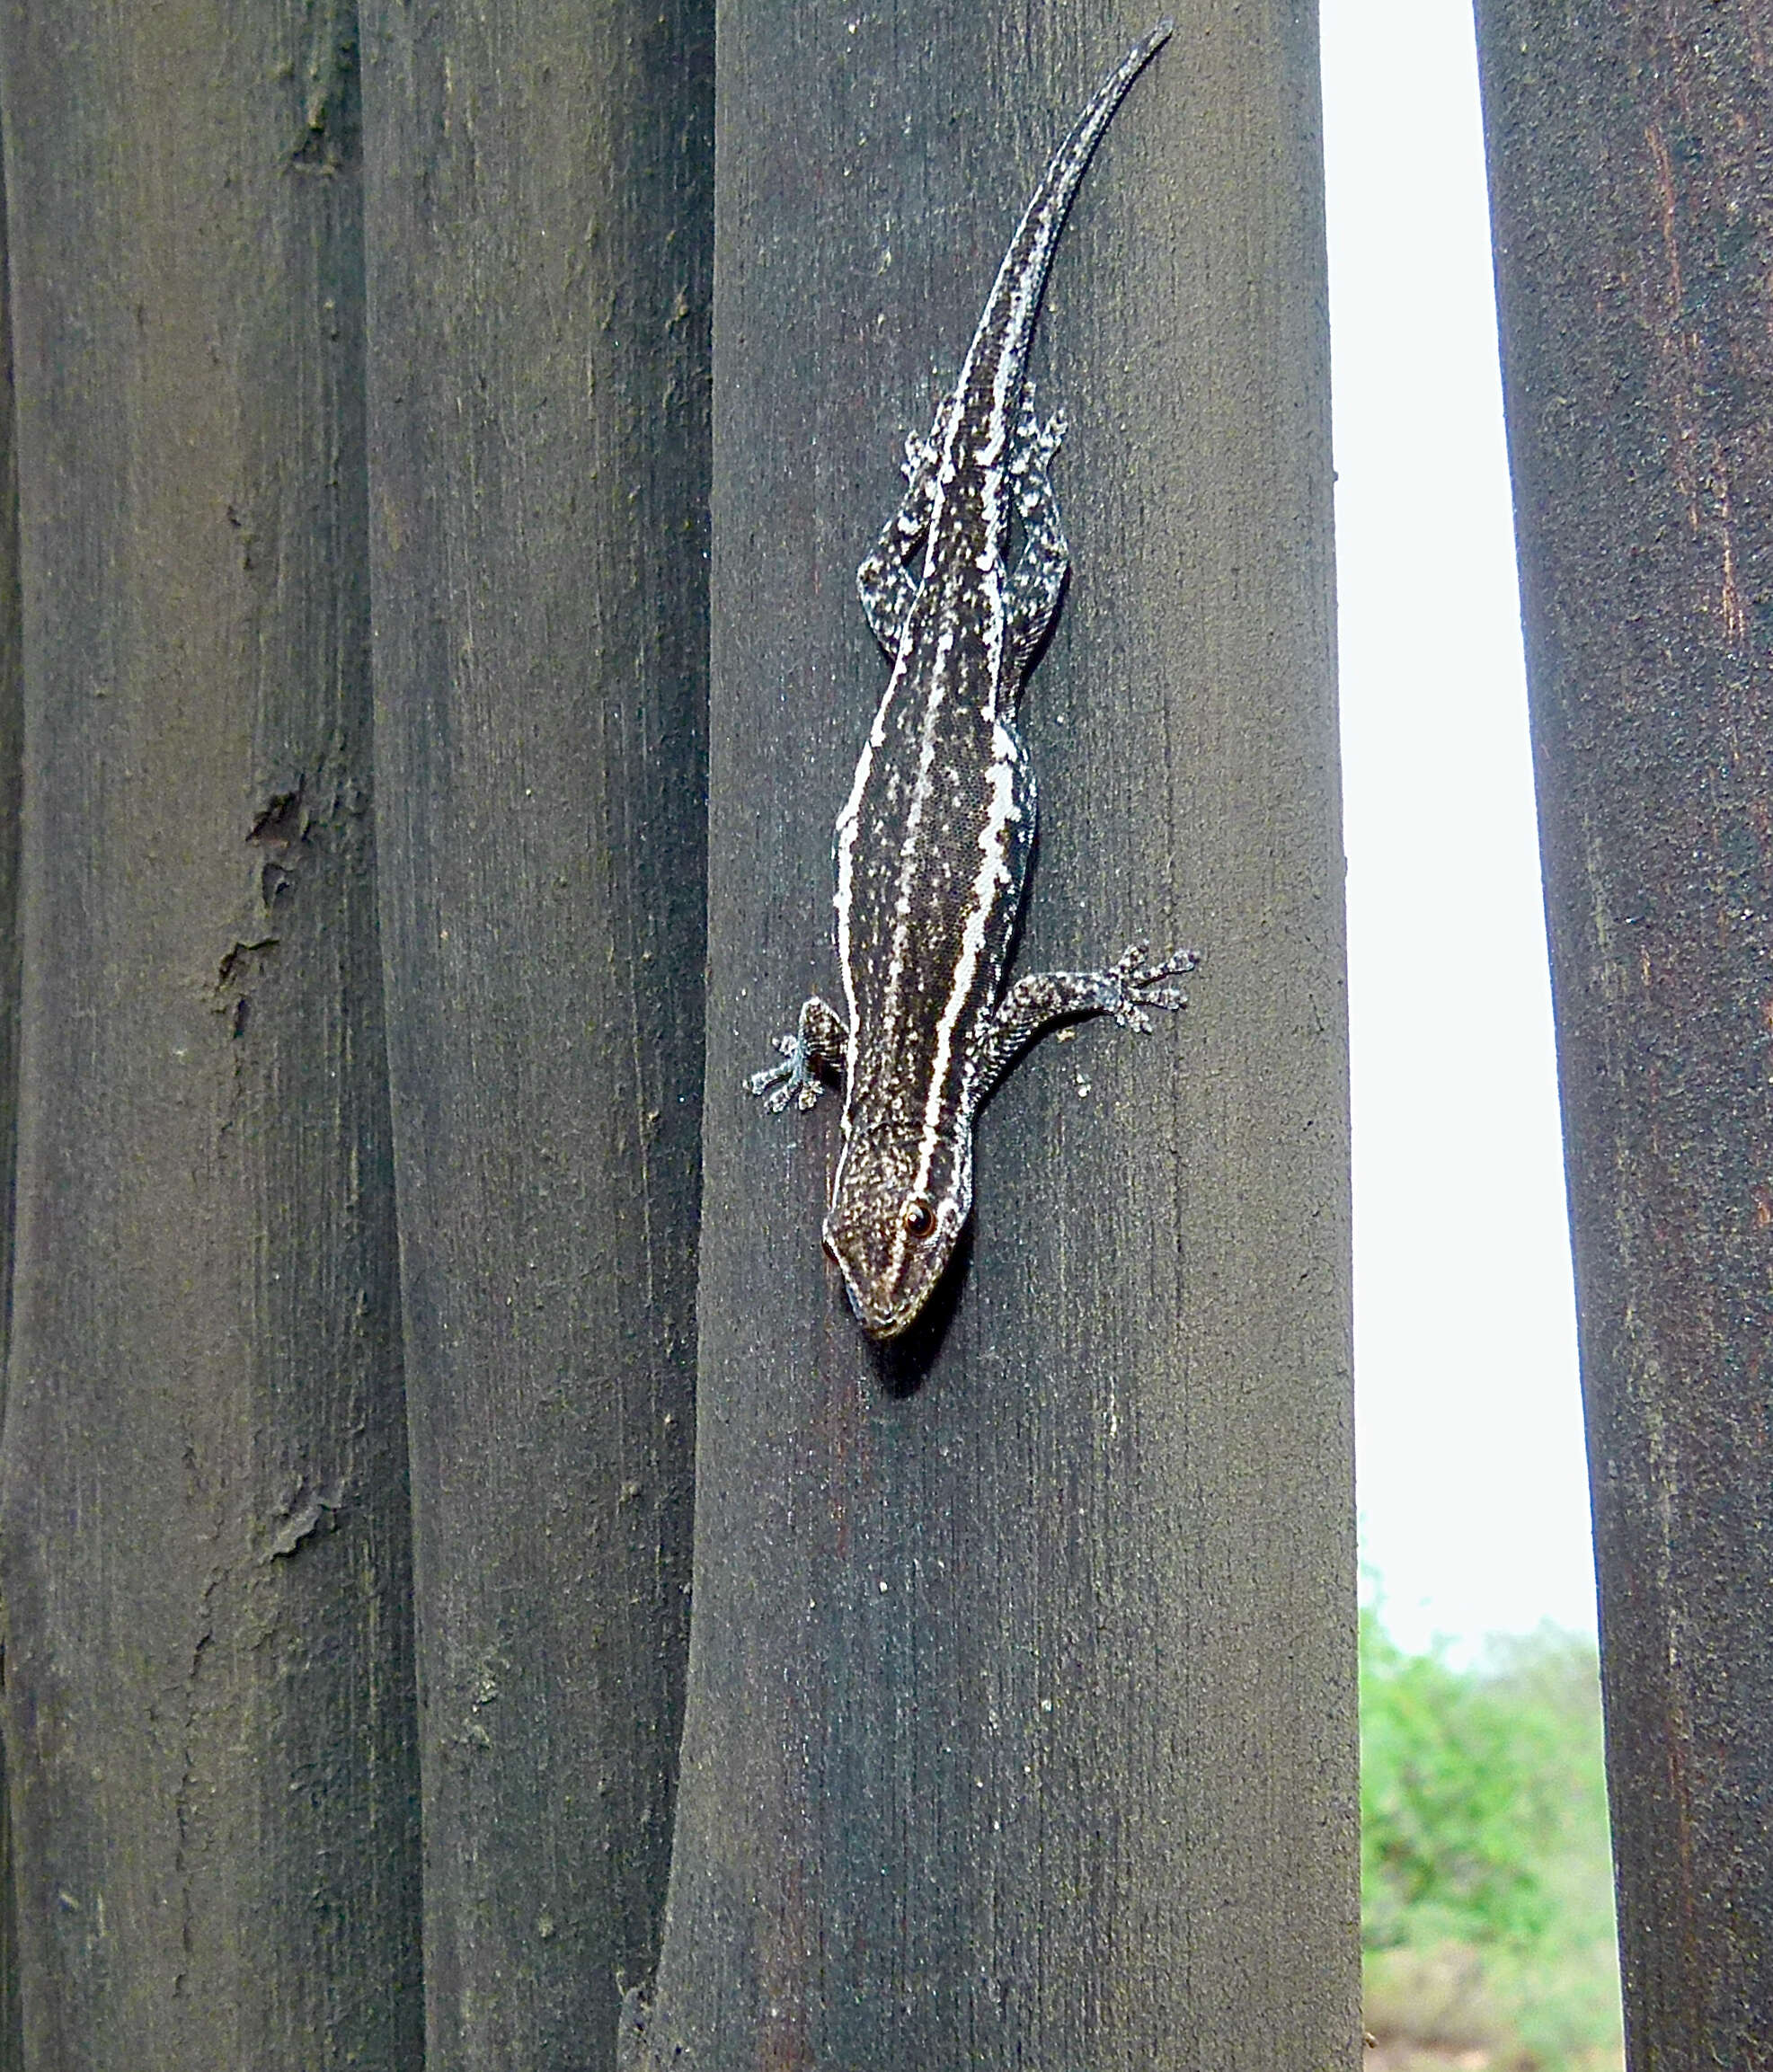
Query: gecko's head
(896, 1216)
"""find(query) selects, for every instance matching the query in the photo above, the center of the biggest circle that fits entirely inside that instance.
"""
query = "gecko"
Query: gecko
(934, 842)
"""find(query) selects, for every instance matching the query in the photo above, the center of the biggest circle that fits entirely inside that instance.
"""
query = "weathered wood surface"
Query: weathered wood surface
(11, 773)
(209, 1693)
(1022, 1705)
(539, 238)
(1629, 153)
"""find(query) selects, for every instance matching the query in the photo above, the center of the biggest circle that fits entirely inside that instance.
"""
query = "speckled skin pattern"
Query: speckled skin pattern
(934, 842)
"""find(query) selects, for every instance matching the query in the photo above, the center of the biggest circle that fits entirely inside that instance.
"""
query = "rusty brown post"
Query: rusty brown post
(1629, 147)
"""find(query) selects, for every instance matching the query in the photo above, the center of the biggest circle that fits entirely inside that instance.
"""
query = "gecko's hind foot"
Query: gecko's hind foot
(793, 1080)
(1139, 985)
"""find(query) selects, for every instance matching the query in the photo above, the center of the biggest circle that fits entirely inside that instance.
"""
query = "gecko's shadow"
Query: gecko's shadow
(902, 1365)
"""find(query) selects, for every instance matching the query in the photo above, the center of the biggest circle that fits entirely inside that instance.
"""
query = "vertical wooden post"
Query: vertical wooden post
(539, 240)
(208, 1691)
(1634, 224)
(12, 775)
(1022, 1707)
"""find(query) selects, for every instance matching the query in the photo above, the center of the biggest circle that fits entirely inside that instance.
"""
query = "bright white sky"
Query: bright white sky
(1474, 1498)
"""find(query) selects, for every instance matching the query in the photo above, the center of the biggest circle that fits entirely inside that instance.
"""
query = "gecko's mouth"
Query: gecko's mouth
(880, 1325)
(883, 1316)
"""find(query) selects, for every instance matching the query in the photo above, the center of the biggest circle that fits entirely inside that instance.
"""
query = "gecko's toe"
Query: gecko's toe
(776, 1082)
(1142, 986)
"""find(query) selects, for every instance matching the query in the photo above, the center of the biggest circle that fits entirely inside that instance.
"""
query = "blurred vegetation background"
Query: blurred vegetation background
(1486, 1872)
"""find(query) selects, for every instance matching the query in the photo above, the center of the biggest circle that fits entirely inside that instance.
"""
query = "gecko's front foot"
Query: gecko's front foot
(813, 1055)
(1137, 985)
(794, 1079)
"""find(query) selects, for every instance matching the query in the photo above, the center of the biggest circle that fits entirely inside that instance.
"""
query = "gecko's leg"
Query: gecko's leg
(811, 1054)
(1034, 1004)
(1037, 582)
(885, 582)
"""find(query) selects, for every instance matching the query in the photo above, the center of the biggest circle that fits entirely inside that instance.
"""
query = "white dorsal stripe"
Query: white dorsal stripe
(992, 876)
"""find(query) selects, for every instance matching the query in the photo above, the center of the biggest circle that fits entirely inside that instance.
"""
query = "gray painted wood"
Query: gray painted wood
(12, 775)
(1021, 1706)
(539, 238)
(209, 1692)
(1634, 226)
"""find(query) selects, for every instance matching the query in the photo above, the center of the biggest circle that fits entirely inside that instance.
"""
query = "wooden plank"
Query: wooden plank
(1633, 219)
(1021, 1713)
(539, 237)
(12, 778)
(208, 1691)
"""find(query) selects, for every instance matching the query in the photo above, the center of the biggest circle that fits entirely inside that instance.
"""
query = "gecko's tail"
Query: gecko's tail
(1000, 345)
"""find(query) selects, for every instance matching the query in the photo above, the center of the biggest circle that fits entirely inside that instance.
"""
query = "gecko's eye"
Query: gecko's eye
(918, 1216)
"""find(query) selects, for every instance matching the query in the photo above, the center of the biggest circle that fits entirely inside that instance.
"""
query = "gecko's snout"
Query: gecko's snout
(893, 1240)
(888, 1286)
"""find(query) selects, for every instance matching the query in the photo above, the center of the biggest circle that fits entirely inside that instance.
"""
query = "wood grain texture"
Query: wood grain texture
(208, 1691)
(12, 779)
(1022, 1714)
(539, 238)
(1630, 150)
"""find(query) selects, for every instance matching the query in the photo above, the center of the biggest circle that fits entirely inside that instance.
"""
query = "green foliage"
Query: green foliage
(1458, 1801)
(1485, 1870)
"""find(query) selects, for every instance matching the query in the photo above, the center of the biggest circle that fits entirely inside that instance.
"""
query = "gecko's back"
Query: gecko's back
(934, 842)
